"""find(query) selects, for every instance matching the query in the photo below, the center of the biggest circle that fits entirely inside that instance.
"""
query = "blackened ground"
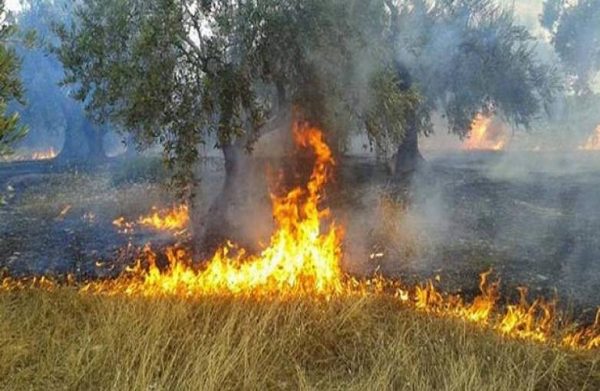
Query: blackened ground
(533, 219)
(57, 220)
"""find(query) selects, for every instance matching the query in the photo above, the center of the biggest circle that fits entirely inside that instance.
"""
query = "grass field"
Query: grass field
(68, 340)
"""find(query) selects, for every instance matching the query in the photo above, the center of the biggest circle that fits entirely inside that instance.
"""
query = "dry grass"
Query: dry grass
(66, 340)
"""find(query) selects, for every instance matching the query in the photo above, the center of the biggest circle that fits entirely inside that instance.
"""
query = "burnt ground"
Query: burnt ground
(57, 220)
(534, 221)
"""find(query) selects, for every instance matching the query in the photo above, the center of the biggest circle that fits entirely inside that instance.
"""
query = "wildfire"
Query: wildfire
(485, 135)
(174, 219)
(593, 142)
(303, 259)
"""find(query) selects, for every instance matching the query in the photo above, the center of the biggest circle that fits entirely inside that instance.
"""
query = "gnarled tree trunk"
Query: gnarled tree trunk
(84, 142)
(408, 158)
(220, 221)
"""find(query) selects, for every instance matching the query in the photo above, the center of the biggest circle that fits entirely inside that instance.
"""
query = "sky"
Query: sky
(13, 5)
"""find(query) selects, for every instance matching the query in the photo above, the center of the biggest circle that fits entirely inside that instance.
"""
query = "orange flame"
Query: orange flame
(23, 156)
(302, 257)
(593, 142)
(174, 219)
(485, 135)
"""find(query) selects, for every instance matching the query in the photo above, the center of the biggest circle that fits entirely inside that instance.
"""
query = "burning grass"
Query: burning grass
(62, 339)
(286, 317)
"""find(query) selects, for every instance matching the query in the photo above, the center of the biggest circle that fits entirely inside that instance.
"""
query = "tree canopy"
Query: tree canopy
(575, 29)
(183, 71)
(10, 84)
(470, 57)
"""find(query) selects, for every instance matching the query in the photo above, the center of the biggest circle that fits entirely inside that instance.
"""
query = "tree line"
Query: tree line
(183, 73)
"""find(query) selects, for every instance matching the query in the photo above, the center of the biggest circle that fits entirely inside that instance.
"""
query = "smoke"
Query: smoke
(528, 212)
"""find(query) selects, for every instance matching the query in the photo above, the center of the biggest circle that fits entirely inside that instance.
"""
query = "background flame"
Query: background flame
(485, 136)
(593, 142)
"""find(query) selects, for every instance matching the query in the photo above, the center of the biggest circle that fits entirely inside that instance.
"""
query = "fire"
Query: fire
(593, 142)
(23, 156)
(303, 256)
(44, 155)
(485, 135)
(174, 219)
(589, 338)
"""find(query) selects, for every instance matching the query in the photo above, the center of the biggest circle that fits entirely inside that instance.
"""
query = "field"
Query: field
(65, 340)
(532, 228)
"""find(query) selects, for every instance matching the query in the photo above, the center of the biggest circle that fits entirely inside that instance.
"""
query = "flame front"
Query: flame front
(593, 142)
(303, 255)
(485, 136)
(303, 259)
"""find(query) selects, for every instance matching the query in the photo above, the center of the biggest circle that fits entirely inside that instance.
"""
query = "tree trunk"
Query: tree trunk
(83, 142)
(131, 150)
(95, 142)
(408, 158)
(218, 228)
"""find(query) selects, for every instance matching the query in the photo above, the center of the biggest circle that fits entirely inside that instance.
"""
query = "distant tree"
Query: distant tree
(10, 85)
(50, 107)
(467, 57)
(575, 29)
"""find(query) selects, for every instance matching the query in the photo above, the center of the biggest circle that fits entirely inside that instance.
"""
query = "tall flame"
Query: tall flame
(485, 135)
(302, 257)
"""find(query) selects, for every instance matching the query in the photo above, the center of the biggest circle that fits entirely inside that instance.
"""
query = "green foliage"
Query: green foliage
(183, 72)
(10, 86)
(575, 28)
(470, 57)
(392, 109)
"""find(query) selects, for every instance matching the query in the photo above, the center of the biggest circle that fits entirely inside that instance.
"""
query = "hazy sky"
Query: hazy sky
(13, 5)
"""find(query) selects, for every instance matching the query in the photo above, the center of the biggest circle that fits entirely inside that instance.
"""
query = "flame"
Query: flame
(588, 338)
(23, 156)
(44, 155)
(174, 219)
(303, 259)
(593, 142)
(303, 255)
(485, 135)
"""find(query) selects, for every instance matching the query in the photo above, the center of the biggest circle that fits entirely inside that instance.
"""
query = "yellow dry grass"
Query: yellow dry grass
(67, 340)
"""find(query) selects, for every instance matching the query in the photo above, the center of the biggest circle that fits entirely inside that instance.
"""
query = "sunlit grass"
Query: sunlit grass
(67, 340)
